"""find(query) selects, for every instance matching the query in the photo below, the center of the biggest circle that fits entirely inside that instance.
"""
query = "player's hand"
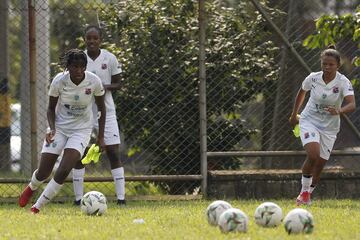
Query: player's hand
(50, 135)
(294, 119)
(101, 143)
(332, 110)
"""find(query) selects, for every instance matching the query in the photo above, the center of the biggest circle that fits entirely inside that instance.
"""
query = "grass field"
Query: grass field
(334, 219)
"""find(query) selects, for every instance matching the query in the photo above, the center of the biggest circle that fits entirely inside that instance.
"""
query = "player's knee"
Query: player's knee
(41, 176)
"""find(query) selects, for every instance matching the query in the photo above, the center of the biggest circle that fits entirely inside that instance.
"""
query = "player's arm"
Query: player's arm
(349, 106)
(51, 118)
(99, 100)
(115, 83)
(299, 100)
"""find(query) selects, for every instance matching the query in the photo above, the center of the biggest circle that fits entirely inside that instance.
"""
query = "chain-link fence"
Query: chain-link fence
(252, 78)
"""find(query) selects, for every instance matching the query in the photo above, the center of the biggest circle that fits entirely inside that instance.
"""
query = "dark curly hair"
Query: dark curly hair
(73, 55)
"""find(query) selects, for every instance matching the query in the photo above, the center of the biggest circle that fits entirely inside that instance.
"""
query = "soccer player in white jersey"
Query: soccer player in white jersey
(320, 120)
(70, 119)
(105, 65)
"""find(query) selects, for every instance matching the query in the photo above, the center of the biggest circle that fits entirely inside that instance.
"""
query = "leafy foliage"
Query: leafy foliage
(157, 43)
(332, 29)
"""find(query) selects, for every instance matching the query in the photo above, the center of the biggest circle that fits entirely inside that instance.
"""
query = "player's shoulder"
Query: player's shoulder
(314, 77)
(60, 77)
(107, 54)
(91, 76)
(341, 77)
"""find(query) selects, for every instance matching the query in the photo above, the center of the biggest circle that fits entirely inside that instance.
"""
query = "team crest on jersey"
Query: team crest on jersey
(103, 66)
(324, 96)
(88, 91)
(313, 134)
(335, 89)
(306, 135)
(76, 97)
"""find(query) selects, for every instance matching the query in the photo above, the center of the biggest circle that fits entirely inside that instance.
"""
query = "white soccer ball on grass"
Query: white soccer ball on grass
(233, 220)
(268, 214)
(299, 220)
(93, 203)
(215, 209)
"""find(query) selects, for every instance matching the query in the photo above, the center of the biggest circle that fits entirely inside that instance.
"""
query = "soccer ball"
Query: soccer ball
(268, 214)
(233, 219)
(215, 209)
(93, 203)
(299, 220)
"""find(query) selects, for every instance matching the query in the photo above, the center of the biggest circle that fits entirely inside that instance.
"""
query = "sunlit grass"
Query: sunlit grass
(334, 219)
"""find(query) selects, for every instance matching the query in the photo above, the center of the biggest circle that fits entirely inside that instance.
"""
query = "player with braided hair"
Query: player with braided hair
(70, 120)
(105, 65)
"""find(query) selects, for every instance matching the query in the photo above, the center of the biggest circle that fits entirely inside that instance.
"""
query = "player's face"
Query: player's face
(92, 40)
(77, 71)
(329, 64)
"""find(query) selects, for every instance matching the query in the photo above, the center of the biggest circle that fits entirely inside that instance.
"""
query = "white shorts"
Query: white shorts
(309, 133)
(78, 140)
(111, 134)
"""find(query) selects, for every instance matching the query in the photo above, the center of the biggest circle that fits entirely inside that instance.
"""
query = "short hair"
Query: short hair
(72, 56)
(93, 27)
(332, 52)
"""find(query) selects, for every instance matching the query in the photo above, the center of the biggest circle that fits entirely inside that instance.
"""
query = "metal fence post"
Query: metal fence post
(32, 79)
(202, 97)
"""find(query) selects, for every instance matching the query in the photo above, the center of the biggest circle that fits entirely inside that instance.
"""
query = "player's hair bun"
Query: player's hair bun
(331, 47)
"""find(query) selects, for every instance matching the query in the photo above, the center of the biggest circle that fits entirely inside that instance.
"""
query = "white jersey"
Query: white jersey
(105, 66)
(74, 107)
(324, 95)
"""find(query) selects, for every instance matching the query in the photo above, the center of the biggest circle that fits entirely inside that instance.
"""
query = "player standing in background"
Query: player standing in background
(105, 65)
(320, 120)
(70, 119)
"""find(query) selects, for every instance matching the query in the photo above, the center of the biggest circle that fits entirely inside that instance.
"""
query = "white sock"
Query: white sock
(312, 188)
(50, 191)
(78, 183)
(306, 182)
(35, 183)
(119, 179)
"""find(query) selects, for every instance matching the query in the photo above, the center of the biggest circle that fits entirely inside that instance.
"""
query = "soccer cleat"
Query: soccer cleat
(303, 198)
(25, 196)
(92, 155)
(121, 203)
(77, 202)
(34, 210)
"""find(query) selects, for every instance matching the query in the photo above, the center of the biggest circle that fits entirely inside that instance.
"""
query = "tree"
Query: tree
(332, 29)
(157, 43)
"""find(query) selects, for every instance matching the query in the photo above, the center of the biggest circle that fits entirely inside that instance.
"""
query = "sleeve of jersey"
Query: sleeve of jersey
(54, 90)
(115, 66)
(306, 84)
(99, 88)
(348, 88)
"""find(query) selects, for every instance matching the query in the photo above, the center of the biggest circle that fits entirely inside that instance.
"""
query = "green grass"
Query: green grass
(334, 219)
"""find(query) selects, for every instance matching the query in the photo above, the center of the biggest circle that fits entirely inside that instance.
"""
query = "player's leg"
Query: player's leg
(53, 187)
(326, 146)
(50, 153)
(310, 138)
(78, 180)
(112, 141)
(79, 173)
(117, 171)
(73, 150)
